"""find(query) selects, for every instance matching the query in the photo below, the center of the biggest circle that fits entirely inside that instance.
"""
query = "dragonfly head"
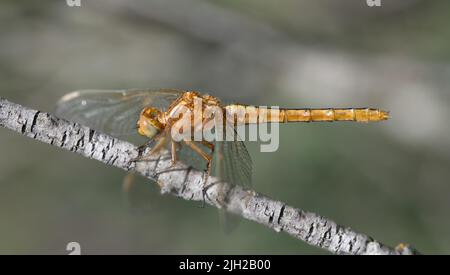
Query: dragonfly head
(149, 124)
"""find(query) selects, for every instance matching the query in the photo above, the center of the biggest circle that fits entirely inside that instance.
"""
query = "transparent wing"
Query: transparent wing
(232, 164)
(113, 111)
(191, 158)
(231, 161)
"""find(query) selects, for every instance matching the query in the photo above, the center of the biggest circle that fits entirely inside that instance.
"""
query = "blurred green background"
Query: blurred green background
(389, 180)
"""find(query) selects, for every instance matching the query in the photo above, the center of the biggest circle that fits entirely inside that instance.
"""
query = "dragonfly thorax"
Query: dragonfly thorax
(149, 123)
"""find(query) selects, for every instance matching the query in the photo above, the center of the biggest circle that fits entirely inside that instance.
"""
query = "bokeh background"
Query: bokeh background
(389, 180)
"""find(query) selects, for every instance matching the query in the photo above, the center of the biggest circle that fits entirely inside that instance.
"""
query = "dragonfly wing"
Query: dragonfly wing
(228, 221)
(232, 164)
(113, 111)
(186, 155)
(231, 161)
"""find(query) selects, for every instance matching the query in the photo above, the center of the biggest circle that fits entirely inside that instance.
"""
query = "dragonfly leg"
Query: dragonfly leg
(198, 150)
(205, 193)
(205, 156)
(146, 145)
(159, 145)
(210, 145)
(202, 153)
(208, 169)
(173, 151)
(206, 187)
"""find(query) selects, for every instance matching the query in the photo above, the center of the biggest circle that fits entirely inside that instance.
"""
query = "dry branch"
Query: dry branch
(187, 183)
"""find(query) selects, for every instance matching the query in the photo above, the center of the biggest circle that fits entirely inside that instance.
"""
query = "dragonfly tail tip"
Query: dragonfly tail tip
(384, 115)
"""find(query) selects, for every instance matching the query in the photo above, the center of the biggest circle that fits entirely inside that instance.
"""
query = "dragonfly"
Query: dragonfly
(154, 114)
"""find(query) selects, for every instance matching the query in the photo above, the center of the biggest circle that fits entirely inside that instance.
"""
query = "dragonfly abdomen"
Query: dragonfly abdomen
(251, 115)
(332, 114)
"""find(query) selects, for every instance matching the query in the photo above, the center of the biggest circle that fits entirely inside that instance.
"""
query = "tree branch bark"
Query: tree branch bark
(188, 184)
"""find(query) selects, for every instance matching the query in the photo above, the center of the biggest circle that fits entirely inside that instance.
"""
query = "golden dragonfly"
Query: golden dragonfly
(153, 114)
